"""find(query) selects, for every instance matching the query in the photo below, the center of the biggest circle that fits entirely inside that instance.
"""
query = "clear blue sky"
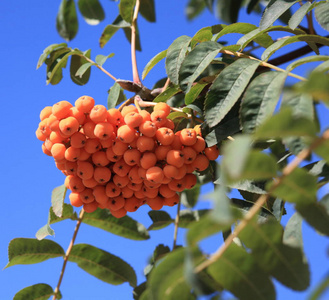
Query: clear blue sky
(28, 176)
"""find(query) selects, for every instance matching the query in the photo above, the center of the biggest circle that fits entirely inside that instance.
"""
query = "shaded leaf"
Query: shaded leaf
(203, 35)
(321, 14)
(160, 219)
(57, 199)
(103, 265)
(66, 20)
(23, 251)
(48, 50)
(227, 89)
(125, 226)
(157, 58)
(187, 216)
(189, 197)
(40, 291)
(292, 235)
(175, 56)
(317, 86)
(196, 62)
(92, 11)
(80, 77)
(194, 8)
(126, 9)
(139, 290)
(238, 272)
(115, 96)
(147, 10)
(228, 11)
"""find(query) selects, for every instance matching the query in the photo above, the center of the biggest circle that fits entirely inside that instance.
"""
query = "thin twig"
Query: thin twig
(136, 78)
(137, 98)
(127, 102)
(176, 226)
(98, 66)
(67, 254)
(261, 201)
(166, 85)
(309, 18)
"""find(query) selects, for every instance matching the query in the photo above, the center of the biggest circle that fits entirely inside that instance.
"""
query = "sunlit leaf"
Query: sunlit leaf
(48, 50)
(115, 96)
(299, 15)
(157, 58)
(67, 21)
(40, 291)
(92, 11)
(321, 13)
(167, 94)
(227, 89)
(125, 226)
(23, 251)
(101, 59)
(103, 265)
(194, 92)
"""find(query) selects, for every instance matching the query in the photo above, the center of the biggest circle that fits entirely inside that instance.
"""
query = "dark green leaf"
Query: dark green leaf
(139, 290)
(175, 56)
(194, 8)
(147, 10)
(92, 11)
(321, 13)
(238, 272)
(48, 50)
(161, 219)
(67, 21)
(23, 251)
(55, 57)
(194, 92)
(57, 200)
(246, 185)
(227, 89)
(77, 62)
(299, 187)
(127, 32)
(187, 216)
(103, 265)
(285, 263)
(228, 11)
(126, 9)
(316, 214)
(260, 99)
(110, 30)
(115, 96)
(293, 232)
(167, 94)
(285, 124)
(323, 150)
(273, 11)
(125, 227)
(299, 15)
(157, 58)
(40, 291)
(189, 197)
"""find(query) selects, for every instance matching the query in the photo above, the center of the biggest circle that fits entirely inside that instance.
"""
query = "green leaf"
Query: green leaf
(194, 8)
(187, 216)
(101, 59)
(76, 63)
(317, 86)
(227, 89)
(23, 251)
(126, 9)
(48, 50)
(306, 60)
(160, 219)
(177, 115)
(167, 94)
(194, 92)
(92, 11)
(40, 291)
(202, 35)
(323, 150)
(293, 39)
(273, 11)
(189, 197)
(299, 15)
(320, 289)
(321, 13)
(111, 29)
(57, 199)
(127, 32)
(66, 20)
(125, 227)
(285, 124)
(115, 96)
(316, 214)
(285, 263)
(175, 56)
(46, 230)
(292, 235)
(245, 185)
(260, 99)
(157, 58)
(83, 69)
(139, 290)
(298, 187)
(238, 272)
(147, 10)
(228, 11)
(196, 62)
(103, 265)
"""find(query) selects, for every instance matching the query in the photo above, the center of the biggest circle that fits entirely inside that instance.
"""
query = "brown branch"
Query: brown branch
(67, 254)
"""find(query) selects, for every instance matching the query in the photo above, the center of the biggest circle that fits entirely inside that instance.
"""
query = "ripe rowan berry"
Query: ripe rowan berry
(75, 199)
(85, 170)
(98, 113)
(61, 109)
(90, 207)
(102, 174)
(92, 145)
(170, 171)
(199, 145)
(189, 155)
(200, 163)
(148, 160)
(126, 133)
(165, 136)
(111, 156)
(133, 119)
(145, 115)
(162, 106)
(100, 194)
(165, 191)
(121, 168)
(85, 104)
(175, 158)
(72, 154)
(114, 116)
(116, 203)
(148, 128)
(58, 151)
(120, 213)
(90, 183)
(132, 204)
(171, 201)
(71, 167)
(133, 175)
(126, 192)
(190, 180)
(188, 137)
(154, 174)
(120, 181)
(103, 130)
(159, 117)
(112, 190)
(177, 185)
(145, 143)
(45, 112)
(132, 157)
(79, 115)
(212, 152)
(150, 192)
(88, 129)
(155, 203)
(75, 184)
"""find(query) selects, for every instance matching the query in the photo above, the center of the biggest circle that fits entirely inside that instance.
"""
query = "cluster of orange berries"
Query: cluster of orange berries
(120, 160)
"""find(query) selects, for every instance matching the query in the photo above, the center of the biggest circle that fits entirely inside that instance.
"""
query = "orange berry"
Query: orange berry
(100, 159)
(133, 175)
(84, 155)
(139, 194)
(40, 136)
(75, 199)
(161, 152)
(165, 191)
(200, 163)
(148, 160)
(88, 129)
(177, 185)
(100, 194)
(135, 186)
(148, 128)
(44, 128)
(45, 112)
(170, 171)
(85, 104)
(45, 150)
(158, 117)
(132, 157)
(169, 124)
(61, 109)
(132, 204)
(120, 213)
(150, 192)
(175, 158)
(53, 123)
(79, 115)
(98, 113)
(71, 167)
(121, 168)
(142, 173)
(171, 201)
(197, 129)
(162, 106)
(58, 151)
(120, 181)
(199, 145)
(114, 116)
(68, 126)
(165, 180)
(181, 172)
(189, 168)
(126, 192)
(108, 142)
(145, 143)
(102, 174)
(85, 170)
(212, 152)
(90, 183)
(111, 156)
(145, 115)
(116, 203)
(189, 155)
(190, 180)
(154, 174)
(165, 136)
(60, 166)
(177, 144)
(57, 137)
(49, 144)
(126, 133)
(75, 184)
(78, 140)
(92, 145)
(103, 130)
(127, 109)
(188, 136)
(90, 207)
(155, 203)
(133, 119)
(112, 190)
(72, 154)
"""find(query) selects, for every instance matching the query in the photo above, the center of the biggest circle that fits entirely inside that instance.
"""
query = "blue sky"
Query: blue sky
(28, 176)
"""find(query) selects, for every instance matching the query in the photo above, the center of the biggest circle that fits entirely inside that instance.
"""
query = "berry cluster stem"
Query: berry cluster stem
(136, 78)
(261, 201)
(67, 254)
(176, 225)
